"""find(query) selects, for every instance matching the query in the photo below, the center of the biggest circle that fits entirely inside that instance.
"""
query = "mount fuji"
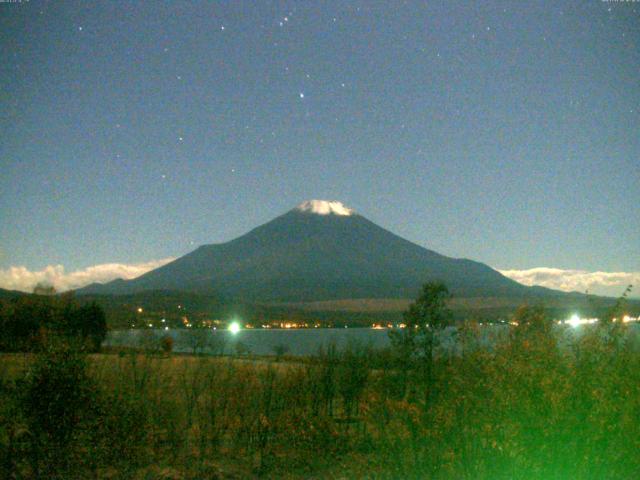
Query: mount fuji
(320, 250)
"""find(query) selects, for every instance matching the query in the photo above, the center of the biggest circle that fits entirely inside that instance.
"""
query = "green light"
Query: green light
(574, 321)
(234, 327)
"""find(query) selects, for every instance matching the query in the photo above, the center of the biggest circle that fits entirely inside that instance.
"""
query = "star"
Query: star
(301, 95)
(180, 139)
(79, 29)
(222, 27)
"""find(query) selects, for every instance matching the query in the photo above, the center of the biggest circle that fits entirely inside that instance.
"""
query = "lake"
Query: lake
(257, 341)
(305, 341)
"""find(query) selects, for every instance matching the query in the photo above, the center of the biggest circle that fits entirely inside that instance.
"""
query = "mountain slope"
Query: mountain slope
(10, 293)
(318, 251)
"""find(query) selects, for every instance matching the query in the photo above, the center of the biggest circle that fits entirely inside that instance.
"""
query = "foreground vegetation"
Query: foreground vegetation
(537, 404)
(26, 322)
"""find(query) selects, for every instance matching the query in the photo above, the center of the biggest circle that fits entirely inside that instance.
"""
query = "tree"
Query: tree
(44, 288)
(532, 320)
(57, 397)
(618, 309)
(27, 319)
(26, 322)
(424, 321)
(533, 333)
(196, 339)
(89, 323)
(166, 343)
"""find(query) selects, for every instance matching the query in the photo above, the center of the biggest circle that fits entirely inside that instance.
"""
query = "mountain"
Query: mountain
(320, 250)
(4, 294)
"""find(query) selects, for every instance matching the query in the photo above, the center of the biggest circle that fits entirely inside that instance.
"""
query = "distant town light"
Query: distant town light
(574, 321)
(234, 327)
(139, 309)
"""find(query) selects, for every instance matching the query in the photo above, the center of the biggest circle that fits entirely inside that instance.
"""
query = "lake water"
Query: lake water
(257, 341)
(304, 341)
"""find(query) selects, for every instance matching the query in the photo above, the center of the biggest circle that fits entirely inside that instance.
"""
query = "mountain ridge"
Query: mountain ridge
(320, 250)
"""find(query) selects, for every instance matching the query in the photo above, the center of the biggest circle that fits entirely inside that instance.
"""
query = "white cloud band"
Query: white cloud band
(599, 283)
(23, 279)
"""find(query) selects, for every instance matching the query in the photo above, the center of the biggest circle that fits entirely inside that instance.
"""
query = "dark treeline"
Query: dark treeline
(174, 306)
(27, 322)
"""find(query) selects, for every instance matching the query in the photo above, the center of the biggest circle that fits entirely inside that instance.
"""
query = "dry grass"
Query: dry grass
(524, 410)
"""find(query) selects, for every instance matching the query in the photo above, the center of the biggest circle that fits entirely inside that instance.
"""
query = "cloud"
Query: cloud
(599, 283)
(23, 279)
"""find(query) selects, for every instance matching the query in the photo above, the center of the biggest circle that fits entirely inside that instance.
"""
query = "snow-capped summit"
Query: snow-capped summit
(325, 207)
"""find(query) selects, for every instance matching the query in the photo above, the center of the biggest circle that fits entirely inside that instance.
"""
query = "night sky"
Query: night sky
(506, 132)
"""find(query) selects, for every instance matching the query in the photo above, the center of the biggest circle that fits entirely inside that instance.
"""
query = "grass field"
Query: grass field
(525, 409)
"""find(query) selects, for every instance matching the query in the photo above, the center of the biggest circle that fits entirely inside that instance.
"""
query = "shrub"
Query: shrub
(57, 398)
(166, 343)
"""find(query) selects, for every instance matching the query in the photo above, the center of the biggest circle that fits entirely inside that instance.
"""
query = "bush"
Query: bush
(166, 343)
(25, 322)
(57, 399)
